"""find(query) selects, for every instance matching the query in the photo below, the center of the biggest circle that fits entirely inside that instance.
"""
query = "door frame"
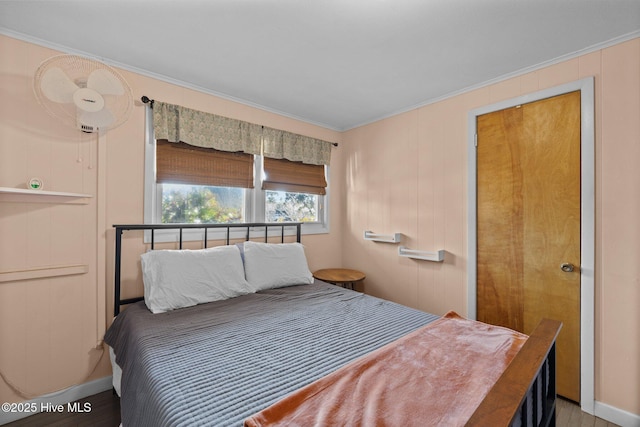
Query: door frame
(587, 220)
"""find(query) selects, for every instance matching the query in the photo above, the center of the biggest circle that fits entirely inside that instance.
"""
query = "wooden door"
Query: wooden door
(528, 224)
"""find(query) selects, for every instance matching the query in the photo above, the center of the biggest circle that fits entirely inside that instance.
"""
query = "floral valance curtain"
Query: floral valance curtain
(278, 144)
(179, 124)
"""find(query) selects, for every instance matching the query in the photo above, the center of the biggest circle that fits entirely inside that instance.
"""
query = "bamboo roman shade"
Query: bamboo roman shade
(295, 177)
(180, 163)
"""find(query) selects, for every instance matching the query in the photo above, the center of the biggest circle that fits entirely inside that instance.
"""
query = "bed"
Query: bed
(258, 358)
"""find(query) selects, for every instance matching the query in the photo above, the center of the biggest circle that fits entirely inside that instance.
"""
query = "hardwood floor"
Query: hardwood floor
(568, 414)
(105, 412)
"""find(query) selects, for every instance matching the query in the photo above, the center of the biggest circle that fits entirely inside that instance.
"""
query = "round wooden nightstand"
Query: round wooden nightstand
(340, 276)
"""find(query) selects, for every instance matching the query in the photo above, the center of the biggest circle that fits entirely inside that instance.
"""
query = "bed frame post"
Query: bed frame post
(118, 268)
(549, 404)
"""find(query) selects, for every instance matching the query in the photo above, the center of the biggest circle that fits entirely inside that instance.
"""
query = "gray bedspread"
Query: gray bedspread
(216, 364)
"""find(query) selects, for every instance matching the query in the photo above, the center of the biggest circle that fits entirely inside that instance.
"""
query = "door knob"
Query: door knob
(567, 267)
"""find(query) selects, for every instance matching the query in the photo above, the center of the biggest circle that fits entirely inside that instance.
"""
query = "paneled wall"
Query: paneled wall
(408, 174)
(51, 327)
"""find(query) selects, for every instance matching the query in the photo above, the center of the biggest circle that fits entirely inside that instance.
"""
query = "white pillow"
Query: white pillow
(268, 265)
(183, 278)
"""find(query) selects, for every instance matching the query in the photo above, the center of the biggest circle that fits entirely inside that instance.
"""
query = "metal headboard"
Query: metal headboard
(206, 227)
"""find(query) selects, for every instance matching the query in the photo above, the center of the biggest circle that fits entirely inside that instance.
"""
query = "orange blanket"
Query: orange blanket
(437, 375)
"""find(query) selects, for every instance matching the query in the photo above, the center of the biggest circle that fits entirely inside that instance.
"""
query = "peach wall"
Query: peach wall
(408, 174)
(51, 328)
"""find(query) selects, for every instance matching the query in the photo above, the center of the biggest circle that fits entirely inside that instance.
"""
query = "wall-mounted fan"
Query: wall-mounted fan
(83, 93)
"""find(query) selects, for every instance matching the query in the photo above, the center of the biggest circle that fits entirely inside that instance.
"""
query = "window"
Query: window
(230, 182)
(201, 204)
(283, 206)
(294, 191)
(201, 185)
(213, 194)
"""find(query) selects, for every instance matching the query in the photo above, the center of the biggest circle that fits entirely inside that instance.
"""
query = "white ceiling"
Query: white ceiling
(337, 63)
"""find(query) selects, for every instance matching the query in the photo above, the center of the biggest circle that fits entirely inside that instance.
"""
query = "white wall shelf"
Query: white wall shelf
(41, 196)
(385, 238)
(437, 256)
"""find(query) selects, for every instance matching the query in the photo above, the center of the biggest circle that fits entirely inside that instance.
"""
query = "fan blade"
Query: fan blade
(57, 86)
(104, 82)
(100, 119)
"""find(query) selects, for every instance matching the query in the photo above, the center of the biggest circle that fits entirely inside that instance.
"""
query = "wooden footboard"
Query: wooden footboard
(527, 389)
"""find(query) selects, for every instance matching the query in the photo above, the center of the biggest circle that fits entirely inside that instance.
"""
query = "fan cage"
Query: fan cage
(78, 69)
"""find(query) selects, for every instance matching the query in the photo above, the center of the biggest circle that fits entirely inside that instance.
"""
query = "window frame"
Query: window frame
(255, 201)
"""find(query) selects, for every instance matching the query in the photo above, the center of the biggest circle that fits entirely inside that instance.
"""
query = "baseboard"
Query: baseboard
(61, 397)
(615, 415)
